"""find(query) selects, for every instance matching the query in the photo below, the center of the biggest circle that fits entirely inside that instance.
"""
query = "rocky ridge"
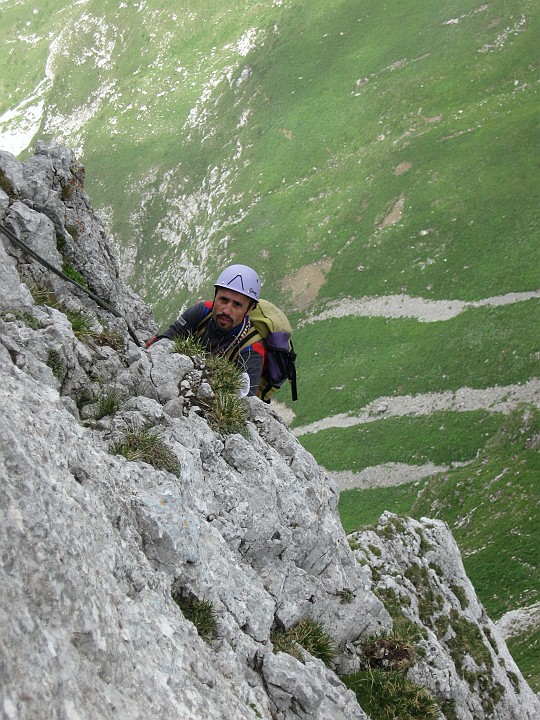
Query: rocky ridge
(94, 546)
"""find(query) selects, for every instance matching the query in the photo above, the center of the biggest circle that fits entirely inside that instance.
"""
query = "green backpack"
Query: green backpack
(280, 362)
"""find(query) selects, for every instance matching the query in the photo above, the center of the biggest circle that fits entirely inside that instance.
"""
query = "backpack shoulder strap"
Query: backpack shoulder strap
(250, 339)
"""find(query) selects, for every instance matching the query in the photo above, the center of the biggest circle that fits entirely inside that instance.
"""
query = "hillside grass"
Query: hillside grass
(442, 438)
(353, 361)
(336, 99)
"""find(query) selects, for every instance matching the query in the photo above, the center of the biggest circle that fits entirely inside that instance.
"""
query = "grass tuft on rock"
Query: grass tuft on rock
(109, 402)
(387, 694)
(146, 446)
(200, 612)
(309, 635)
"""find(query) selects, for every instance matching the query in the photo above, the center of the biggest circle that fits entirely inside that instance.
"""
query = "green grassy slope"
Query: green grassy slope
(294, 118)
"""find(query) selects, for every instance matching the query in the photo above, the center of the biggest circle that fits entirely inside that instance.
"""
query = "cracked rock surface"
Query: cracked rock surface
(92, 545)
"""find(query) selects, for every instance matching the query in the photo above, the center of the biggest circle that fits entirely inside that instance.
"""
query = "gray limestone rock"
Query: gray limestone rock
(418, 569)
(95, 547)
(14, 295)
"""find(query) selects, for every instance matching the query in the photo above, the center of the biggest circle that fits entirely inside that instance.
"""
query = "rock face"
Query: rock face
(93, 546)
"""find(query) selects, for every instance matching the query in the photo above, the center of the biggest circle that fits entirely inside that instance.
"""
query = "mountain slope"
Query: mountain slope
(392, 141)
(350, 151)
(169, 583)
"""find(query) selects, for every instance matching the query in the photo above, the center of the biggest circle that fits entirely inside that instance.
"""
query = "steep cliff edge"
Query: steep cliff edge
(94, 547)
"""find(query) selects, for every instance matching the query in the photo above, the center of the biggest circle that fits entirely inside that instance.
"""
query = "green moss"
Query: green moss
(392, 527)
(75, 275)
(460, 594)
(429, 601)
(425, 546)
(467, 640)
(514, 679)
(448, 709)
(403, 626)
(60, 243)
(25, 317)
(441, 625)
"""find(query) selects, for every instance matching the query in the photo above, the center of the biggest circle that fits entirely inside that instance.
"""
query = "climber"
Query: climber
(223, 325)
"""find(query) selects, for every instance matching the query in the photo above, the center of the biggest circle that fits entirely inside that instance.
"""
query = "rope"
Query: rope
(28, 250)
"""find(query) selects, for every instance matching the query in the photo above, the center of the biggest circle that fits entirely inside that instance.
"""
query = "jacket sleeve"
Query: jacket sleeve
(185, 323)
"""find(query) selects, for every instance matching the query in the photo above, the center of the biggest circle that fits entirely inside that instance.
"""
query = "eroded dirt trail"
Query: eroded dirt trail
(495, 399)
(404, 306)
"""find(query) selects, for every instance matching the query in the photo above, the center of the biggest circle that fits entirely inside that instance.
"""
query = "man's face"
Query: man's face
(229, 308)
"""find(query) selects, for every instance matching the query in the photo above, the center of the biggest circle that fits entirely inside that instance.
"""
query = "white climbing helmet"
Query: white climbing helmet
(242, 279)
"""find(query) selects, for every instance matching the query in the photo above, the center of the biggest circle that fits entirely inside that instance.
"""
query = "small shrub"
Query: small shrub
(112, 338)
(385, 695)
(146, 446)
(388, 652)
(108, 403)
(200, 612)
(311, 636)
(56, 363)
(346, 595)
